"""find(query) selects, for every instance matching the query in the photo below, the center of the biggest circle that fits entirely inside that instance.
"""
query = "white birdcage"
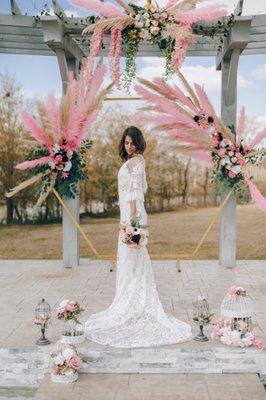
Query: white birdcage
(237, 306)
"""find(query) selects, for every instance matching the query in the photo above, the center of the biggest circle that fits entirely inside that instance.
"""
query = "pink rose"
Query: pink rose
(74, 362)
(58, 159)
(155, 30)
(231, 174)
(72, 306)
(221, 153)
(129, 230)
(234, 159)
(232, 291)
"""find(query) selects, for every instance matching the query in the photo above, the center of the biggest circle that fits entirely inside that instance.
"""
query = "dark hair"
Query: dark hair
(137, 139)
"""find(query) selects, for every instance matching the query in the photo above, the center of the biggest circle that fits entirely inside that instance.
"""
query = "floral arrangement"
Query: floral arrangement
(237, 291)
(42, 320)
(188, 117)
(61, 133)
(66, 362)
(133, 233)
(69, 310)
(240, 334)
(169, 27)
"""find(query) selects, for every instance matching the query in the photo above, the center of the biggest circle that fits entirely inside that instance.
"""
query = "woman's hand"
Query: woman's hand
(136, 246)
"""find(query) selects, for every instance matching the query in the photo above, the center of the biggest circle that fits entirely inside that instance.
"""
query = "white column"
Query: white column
(227, 248)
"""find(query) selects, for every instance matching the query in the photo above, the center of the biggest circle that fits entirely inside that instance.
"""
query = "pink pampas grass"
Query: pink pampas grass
(34, 129)
(33, 163)
(256, 195)
(105, 9)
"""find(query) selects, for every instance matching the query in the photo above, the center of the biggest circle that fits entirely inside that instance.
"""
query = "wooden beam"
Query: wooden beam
(239, 8)
(238, 38)
(54, 37)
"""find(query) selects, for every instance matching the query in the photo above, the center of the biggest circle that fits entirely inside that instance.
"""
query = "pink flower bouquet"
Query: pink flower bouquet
(133, 233)
(69, 310)
(65, 363)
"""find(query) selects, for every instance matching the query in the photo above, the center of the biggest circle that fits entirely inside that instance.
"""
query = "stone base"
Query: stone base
(27, 366)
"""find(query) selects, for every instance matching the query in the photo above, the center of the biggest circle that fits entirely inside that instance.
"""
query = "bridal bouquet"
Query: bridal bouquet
(133, 233)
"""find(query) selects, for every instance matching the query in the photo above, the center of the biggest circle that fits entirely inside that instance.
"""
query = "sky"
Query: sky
(39, 75)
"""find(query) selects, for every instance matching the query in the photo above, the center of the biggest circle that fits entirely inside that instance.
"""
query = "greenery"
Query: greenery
(68, 187)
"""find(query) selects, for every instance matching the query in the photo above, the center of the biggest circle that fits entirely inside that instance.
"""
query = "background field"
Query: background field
(170, 232)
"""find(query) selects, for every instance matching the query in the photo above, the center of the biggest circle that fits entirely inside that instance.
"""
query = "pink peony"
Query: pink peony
(155, 30)
(74, 362)
(72, 306)
(221, 153)
(231, 174)
(58, 159)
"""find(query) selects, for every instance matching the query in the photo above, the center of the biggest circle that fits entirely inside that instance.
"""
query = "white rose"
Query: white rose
(146, 16)
(147, 23)
(68, 166)
(236, 169)
(59, 359)
(63, 303)
(231, 153)
(68, 353)
(154, 23)
(225, 160)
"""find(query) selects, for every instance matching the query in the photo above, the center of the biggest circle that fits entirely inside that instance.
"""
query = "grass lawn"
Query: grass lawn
(170, 232)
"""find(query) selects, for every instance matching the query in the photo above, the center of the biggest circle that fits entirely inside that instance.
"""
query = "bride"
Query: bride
(136, 317)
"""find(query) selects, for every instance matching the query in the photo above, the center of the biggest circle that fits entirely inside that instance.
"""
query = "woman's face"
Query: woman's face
(129, 146)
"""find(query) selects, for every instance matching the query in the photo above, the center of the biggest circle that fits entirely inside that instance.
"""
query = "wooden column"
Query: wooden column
(70, 234)
(68, 55)
(227, 60)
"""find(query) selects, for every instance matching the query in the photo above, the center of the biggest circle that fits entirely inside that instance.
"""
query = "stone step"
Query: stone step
(17, 392)
(27, 366)
(155, 387)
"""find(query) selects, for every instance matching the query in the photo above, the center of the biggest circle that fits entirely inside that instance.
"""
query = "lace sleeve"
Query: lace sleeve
(136, 168)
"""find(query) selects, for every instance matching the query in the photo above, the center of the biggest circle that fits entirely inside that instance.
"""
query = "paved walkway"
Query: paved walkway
(24, 283)
(156, 387)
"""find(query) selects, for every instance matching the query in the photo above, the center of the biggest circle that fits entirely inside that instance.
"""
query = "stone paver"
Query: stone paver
(155, 387)
(24, 283)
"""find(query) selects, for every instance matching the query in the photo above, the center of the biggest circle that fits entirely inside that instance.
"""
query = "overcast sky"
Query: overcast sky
(39, 75)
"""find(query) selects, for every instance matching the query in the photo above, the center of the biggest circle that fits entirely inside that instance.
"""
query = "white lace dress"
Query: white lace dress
(136, 317)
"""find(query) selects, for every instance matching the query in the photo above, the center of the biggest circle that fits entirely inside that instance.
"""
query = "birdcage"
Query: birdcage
(201, 316)
(42, 318)
(237, 307)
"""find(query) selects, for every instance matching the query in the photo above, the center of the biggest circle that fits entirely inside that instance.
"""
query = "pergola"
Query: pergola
(61, 36)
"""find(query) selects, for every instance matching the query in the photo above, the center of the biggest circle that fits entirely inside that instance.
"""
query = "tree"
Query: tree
(12, 149)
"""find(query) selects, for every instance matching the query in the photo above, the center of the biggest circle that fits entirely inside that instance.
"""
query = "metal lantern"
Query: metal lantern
(201, 316)
(42, 317)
